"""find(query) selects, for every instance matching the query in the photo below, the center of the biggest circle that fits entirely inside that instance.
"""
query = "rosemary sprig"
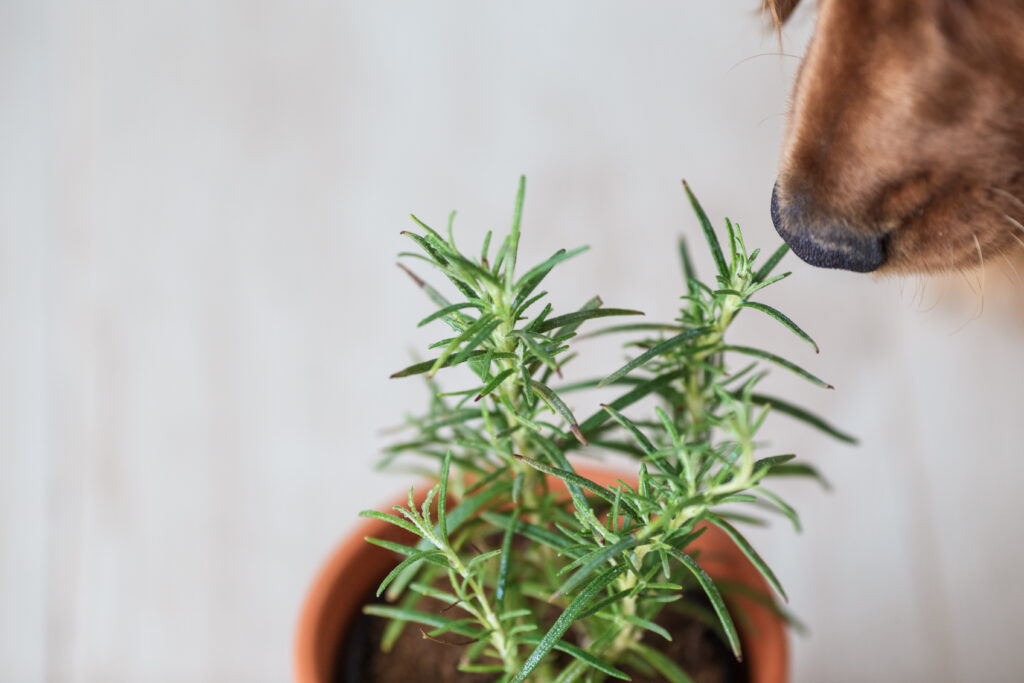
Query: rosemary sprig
(501, 546)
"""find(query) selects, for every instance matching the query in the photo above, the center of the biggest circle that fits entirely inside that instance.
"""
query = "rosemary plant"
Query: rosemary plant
(499, 544)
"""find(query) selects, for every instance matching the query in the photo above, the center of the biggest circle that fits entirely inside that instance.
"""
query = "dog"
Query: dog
(904, 146)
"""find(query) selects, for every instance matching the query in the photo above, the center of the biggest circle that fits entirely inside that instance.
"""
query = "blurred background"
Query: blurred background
(200, 205)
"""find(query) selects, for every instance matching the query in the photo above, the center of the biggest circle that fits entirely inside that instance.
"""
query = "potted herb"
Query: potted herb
(521, 564)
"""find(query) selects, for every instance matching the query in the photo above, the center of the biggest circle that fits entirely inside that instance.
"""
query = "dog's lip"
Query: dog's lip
(824, 248)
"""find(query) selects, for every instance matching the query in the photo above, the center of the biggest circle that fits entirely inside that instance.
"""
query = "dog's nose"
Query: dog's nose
(824, 243)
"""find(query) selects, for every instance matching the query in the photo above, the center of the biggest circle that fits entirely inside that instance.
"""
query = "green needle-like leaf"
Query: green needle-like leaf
(799, 470)
(573, 478)
(662, 664)
(471, 504)
(580, 316)
(427, 619)
(648, 626)
(570, 327)
(506, 552)
(449, 310)
(638, 327)
(709, 232)
(582, 655)
(656, 351)
(395, 547)
(442, 497)
(533, 532)
(513, 237)
(434, 295)
(689, 274)
(731, 234)
(590, 563)
(782, 318)
(442, 261)
(486, 248)
(786, 408)
(558, 405)
(782, 506)
(766, 464)
(769, 265)
(437, 239)
(714, 596)
(420, 368)
(781, 362)
(629, 398)
(427, 555)
(533, 277)
(391, 519)
(752, 289)
(471, 337)
(752, 555)
(538, 350)
(494, 382)
(451, 235)
(630, 427)
(566, 619)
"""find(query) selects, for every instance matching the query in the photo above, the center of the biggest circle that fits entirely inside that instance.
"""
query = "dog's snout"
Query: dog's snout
(822, 242)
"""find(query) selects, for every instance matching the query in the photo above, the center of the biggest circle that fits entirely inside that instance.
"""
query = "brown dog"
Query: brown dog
(904, 149)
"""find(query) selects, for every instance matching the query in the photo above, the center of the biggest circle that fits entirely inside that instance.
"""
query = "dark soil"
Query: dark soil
(415, 659)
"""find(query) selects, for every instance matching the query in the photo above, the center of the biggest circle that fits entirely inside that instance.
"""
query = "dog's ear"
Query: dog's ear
(779, 10)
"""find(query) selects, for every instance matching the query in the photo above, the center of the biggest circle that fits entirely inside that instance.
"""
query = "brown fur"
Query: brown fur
(907, 125)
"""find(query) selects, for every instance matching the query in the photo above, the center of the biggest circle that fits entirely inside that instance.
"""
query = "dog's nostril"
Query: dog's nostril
(824, 243)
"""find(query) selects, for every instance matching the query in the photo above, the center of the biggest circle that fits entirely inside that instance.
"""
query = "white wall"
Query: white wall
(199, 210)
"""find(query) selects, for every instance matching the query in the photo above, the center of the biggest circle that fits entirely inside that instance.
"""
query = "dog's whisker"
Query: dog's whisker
(980, 281)
(918, 290)
(921, 307)
(966, 281)
(981, 289)
(938, 299)
(1014, 222)
(770, 117)
(960, 328)
(1017, 238)
(924, 307)
(926, 283)
(762, 54)
(981, 265)
(1014, 199)
(977, 313)
(1013, 269)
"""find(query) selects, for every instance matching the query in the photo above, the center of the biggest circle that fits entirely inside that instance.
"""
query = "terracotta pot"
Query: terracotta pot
(356, 568)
